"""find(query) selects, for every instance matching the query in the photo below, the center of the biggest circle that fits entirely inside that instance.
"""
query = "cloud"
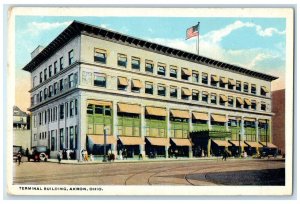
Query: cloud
(34, 28)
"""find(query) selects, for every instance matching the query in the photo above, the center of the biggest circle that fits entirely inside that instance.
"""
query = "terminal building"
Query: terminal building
(151, 99)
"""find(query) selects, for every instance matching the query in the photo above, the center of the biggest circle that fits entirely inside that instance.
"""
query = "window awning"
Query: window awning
(224, 80)
(265, 89)
(137, 83)
(131, 140)
(247, 101)
(99, 139)
(186, 71)
(200, 116)
(129, 108)
(236, 143)
(156, 111)
(186, 91)
(97, 102)
(253, 144)
(219, 118)
(214, 78)
(158, 141)
(231, 82)
(240, 101)
(249, 119)
(180, 114)
(269, 144)
(263, 120)
(182, 142)
(122, 81)
(222, 143)
(224, 98)
(100, 50)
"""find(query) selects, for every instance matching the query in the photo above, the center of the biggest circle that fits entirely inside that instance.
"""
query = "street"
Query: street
(193, 172)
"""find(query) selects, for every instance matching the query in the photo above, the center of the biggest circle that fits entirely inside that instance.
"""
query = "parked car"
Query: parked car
(269, 152)
(39, 153)
(16, 149)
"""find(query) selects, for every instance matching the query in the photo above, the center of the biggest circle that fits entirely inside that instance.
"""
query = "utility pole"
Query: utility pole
(105, 135)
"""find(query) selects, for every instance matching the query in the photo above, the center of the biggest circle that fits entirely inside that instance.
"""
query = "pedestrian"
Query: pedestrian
(19, 157)
(59, 156)
(225, 155)
(27, 152)
(82, 153)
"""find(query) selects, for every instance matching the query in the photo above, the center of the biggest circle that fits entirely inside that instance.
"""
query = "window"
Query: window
(45, 74)
(135, 63)
(204, 96)
(173, 71)
(263, 91)
(122, 60)
(173, 92)
(195, 76)
(34, 82)
(72, 108)
(50, 71)
(40, 118)
(71, 80)
(41, 77)
(71, 57)
(185, 93)
(61, 63)
(61, 84)
(67, 109)
(55, 67)
(263, 107)
(161, 69)
(45, 117)
(239, 102)
(238, 86)
(230, 101)
(214, 80)
(246, 87)
(89, 109)
(213, 98)
(62, 141)
(253, 105)
(100, 80)
(195, 95)
(50, 90)
(61, 111)
(222, 100)
(53, 141)
(161, 90)
(223, 82)
(45, 93)
(253, 88)
(100, 55)
(231, 84)
(76, 136)
(35, 137)
(122, 83)
(204, 78)
(49, 116)
(136, 85)
(185, 73)
(76, 107)
(149, 88)
(99, 110)
(149, 66)
(71, 137)
(55, 88)
(41, 96)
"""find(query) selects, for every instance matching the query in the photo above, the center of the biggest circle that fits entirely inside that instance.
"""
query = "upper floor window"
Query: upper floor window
(50, 90)
(247, 103)
(148, 87)
(50, 71)
(239, 102)
(263, 91)
(61, 84)
(122, 60)
(231, 84)
(246, 87)
(100, 55)
(195, 95)
(41, 96)
(71, 80)
(238, 86)
(55, 67)
(253, 105)
(263, 107)
(135, 63)
(71, 57)
(41, 77)
(204, 78)
(204, 96)
(230, 101)
(161, 69)
(61, 63)
(45, 93)
(253, 88)
(223, 99)
(173, 92)
(161, 90)
(45, 74)
(100, 80)
(61, 111)
(72, 108)
(122, 83)
(34, 81)
(213, 98)
(149, 66)
(185, 73)
(185, 93)
(214, 80)
(173, 71)
(55, 88)
(136, 85)
(223, 82)
(195, 76)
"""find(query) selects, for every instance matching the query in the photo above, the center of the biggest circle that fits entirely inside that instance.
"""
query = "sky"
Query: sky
(254, 43)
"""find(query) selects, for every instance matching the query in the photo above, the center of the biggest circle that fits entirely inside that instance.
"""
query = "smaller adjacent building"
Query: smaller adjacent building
(20, 118)
(21, 131)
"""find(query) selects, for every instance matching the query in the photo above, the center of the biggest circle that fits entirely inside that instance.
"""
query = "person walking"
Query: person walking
(59, 156)
(19, 157)
(225, 155)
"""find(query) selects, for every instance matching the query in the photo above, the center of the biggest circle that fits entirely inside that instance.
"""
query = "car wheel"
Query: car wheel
(43, 157)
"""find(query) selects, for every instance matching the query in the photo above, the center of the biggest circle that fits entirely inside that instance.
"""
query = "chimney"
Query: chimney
(36, 51)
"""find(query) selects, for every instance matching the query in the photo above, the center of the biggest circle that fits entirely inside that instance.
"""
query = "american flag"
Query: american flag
(192, 31)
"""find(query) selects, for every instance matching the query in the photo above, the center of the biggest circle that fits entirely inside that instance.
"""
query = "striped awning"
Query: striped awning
(131, 140)
(156, 111)
(222, 143)
(186, 91)
(180, 114)
(237, 143)
(182, 142)
(129, 108)
(214, 78)
(137, 83)
(99, 139)
(186, 71)
(231, 82)
(98, 102)
(240, 100)
(200, 116)
(158, 141)
(265, 89)
(247, 101)
(269, 144)
(219, 118)
(122, 81)
(253, 144)
(224, 98)
(224, 80)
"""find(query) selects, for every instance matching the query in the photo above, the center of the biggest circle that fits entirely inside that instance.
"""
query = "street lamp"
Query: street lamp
(105, 134)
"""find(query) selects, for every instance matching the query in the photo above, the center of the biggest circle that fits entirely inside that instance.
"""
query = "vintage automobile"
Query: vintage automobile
(39, 153)
(16, 149)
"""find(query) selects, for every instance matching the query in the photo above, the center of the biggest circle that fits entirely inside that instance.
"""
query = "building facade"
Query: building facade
(148, 97)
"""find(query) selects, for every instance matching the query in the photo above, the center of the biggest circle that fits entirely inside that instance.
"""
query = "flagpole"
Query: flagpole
(198, 38)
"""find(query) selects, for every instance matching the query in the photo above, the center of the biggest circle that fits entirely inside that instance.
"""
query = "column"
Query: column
(168, 130)
(242, 132)
(270, 130)
(190, 129)
(115, 127)
(209, 121)
(226, 124)
(82, 127)
(208, 147)
(143, 133)
(257, 133)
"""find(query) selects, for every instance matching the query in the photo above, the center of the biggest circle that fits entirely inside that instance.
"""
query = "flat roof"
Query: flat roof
(77, 28)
